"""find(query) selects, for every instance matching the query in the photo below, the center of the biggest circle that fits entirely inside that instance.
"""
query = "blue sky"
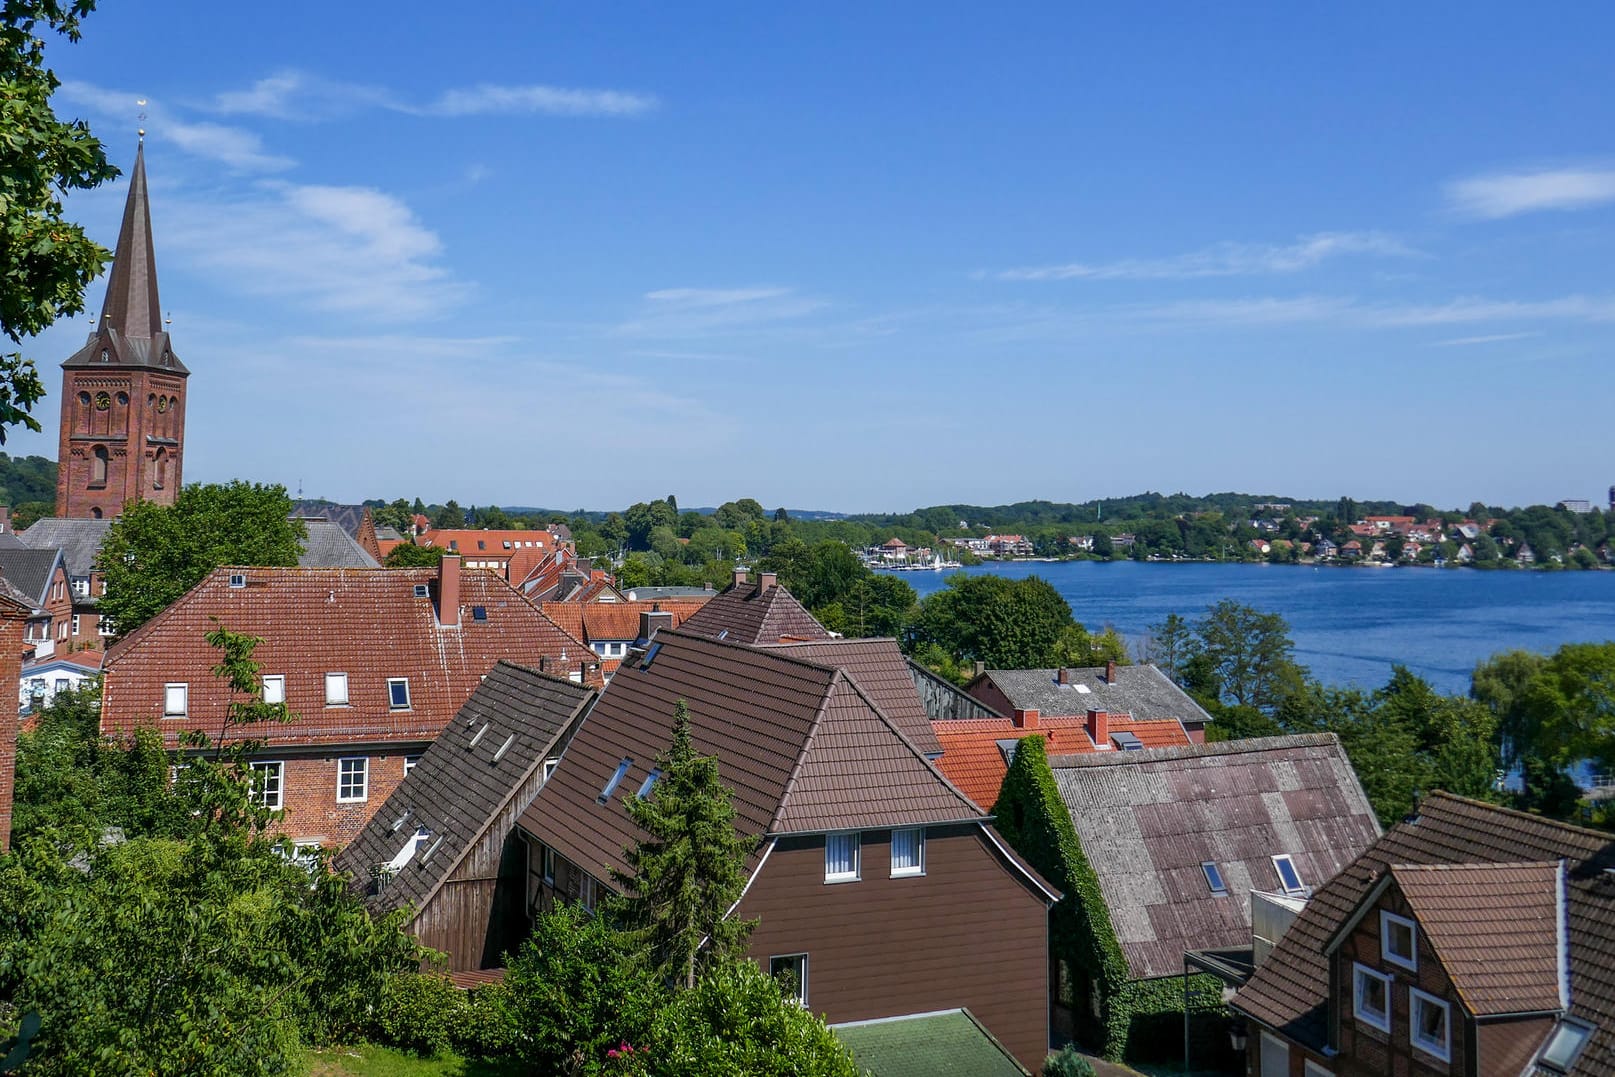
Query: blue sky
(872, 257)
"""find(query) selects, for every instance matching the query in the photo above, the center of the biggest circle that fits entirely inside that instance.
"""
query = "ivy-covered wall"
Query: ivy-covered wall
(1136, 1018)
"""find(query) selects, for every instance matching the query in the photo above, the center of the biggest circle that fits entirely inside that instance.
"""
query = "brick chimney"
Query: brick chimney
(11, 625)
(5, 519)
(1099, 728)
(1062, 676)
(1110, 672)
(978, 668)
(740, 576)
(448, 590)
(1025, 718)
(651, 621)
(765, 580)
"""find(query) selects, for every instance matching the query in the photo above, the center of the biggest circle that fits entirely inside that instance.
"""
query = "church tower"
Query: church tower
(123, 393)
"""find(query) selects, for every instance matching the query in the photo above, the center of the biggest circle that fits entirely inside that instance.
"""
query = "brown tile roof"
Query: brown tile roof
(1148, 819)
(881, 670)
(973, 761)
(459, 789)
(1290, 990)
(1495, 929)
(752, 614)
(801, 745)
(366, 623)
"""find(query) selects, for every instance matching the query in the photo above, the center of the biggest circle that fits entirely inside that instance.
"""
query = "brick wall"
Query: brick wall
(309, 796)
(11, 626)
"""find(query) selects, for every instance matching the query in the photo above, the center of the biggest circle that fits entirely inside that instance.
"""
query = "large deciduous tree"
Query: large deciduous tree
(1247, 654)
(46, 261)
(154, 553)
(1007, 624)
(689, 869)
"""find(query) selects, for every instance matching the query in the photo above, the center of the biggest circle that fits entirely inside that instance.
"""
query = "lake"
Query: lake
(1349, 624)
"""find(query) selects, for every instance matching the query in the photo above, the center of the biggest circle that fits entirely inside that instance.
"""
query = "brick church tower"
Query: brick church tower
(123, 393)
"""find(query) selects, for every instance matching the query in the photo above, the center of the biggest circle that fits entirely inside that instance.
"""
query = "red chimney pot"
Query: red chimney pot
(448, 590)
(1110, 672)
(1025, 719)
(1099, 728)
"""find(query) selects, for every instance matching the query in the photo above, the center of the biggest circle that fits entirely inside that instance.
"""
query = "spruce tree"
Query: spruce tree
(688, 870)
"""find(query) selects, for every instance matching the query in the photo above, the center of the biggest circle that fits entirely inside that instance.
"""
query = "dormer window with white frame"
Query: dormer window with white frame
(274, 688)
(1399, 941)
(336, 689)
(238, 580)
(176, 699)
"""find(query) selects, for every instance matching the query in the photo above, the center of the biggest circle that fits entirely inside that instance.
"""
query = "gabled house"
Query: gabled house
(755, 613)
(865, 854)
(1125, 693)
(42, 576)
(42, 678)
(1324, 549)
(80, 540)
(1469, 939)
(1169, 845)
(611, 629)
(1524, 554)
(357, 522)
(488, 549)
(372, 662)
(444, 844)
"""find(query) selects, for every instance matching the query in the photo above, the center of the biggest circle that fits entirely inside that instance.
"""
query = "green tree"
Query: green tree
(409, 555)
(46, 261)
(1248, 653)
(154, 553)
(736, 1023)
(688, 870)
(450, 516)
(1008, 624)
(1171, 644)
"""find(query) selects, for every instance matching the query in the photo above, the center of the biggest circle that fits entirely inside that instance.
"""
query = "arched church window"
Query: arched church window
(84, 400)
(123, 400)
(95, 514)
(151, 400)
(98, 465)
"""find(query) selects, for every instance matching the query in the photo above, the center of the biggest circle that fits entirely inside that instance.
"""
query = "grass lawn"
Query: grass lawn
(370, 1061)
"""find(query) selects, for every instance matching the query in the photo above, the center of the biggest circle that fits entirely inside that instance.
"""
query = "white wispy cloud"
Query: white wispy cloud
(1489, 338)
(1352, 313)
(1505, 194)
(300, 95)
(349, 250)
(1223, 260)
(234, 147)
(686, 311)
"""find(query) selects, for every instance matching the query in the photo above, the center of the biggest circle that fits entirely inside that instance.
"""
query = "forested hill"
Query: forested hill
(1146, 506)
(28, 486)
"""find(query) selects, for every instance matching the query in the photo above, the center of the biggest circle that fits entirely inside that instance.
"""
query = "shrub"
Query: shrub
(492, 1026)
(421, 1013)
(1067, 1062)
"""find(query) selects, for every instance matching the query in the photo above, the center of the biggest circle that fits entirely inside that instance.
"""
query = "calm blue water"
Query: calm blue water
(1349, 624)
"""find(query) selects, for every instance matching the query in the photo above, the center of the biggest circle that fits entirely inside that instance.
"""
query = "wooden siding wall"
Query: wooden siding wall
(480, 912)
(969, 932)
(944, 702)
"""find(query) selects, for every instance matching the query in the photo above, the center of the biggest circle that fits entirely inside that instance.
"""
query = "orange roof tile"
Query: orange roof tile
(972, 760)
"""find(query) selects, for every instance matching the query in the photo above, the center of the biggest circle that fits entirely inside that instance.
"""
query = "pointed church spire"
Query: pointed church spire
(131, 306)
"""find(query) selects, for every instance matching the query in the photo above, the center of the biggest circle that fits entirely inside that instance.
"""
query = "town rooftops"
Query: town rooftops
(1150, 820)
(617, 622)
(338, 637)
(802, 745)
(976, 752)
(1290, 991)
(949, 1043)
(479, 543)
(79, 540)
(464, 782)
(328, 545)
(1137, 691)
(30, 570)
(755, 612)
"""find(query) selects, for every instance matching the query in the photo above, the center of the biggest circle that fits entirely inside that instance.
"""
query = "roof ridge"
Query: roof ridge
(801, 752)
(909, 744)
(1601, 836)
(1472, 866)
(1243, 746)
(771, 651)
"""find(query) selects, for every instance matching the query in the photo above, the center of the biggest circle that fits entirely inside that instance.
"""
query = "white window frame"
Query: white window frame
(364, 779)
(1418, 999)
(1391, 957)
(1313, 1069)
(278, 681)
(549, 767)
(1301, 884)
(184, 697)
(801, 996)
(1359, 974)
(391, 703)
(410, 763)
(335, 680)
(547, 865)
(918, 867)
(103, 626)
(75, 624)
(588, 891)
(851, 876)
(262, 796)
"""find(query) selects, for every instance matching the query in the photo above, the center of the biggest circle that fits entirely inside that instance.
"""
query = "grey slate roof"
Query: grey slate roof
(329, 546)
(456, 791)
(1142, 691)
(10, 541)
(29, 571)
(1148, 819)
(651, 594)
(79, 540)
(348, 517)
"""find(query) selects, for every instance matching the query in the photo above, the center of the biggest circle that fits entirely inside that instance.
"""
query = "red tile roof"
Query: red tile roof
(367, 623)
(973, 761)
(615, 621)
(493, 542)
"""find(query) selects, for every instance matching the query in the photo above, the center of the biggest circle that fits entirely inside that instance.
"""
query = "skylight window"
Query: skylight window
(420, 590)
(650, 655)
(1289, 877)
(614, 781)
(649, 783)
(1214, 878)
(1127, 742)
(503, 748)
(479, 613)
(1564, 1046)
(1083, 688)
